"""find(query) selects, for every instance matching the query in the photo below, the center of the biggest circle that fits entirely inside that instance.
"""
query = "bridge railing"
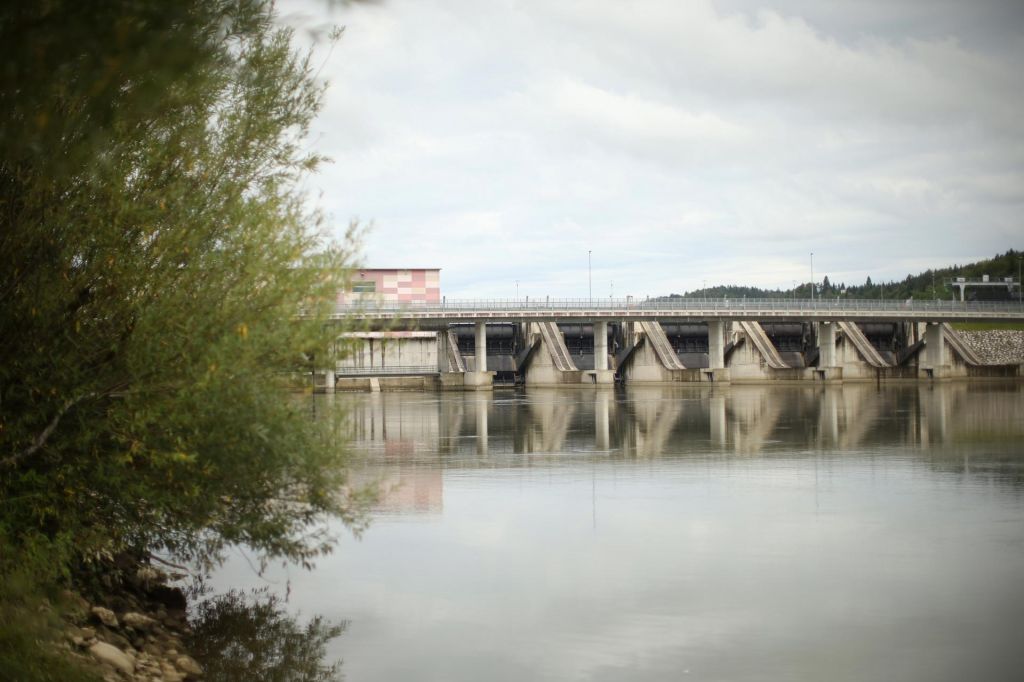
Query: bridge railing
(392, 370)
(688, 304)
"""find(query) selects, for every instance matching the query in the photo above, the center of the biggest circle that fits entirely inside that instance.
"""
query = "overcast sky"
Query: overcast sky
(679, 141)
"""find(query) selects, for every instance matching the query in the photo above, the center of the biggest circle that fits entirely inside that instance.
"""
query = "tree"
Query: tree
(154, 253)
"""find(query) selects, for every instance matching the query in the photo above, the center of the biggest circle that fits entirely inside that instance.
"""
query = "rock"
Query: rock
(137, 621)
(75, 604)
(105, 616)
(996, 346)
(114, 638)
(87, 633)
(111, 655)
(187, 664)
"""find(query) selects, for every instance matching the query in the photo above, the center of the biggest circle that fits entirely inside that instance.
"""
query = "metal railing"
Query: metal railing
(392, 370)
(688, 304)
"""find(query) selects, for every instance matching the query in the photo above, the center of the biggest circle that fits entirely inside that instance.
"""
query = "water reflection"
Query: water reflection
(720, 533)
(251, 636)
(654, 422)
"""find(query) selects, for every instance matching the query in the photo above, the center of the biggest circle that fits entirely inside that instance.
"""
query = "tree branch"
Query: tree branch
(46, 433)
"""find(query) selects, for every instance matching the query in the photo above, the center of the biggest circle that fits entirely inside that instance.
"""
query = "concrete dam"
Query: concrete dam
(474, 344)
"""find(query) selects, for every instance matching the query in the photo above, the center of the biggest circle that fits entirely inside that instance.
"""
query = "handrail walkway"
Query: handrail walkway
(863, 346)
(393, 370)
(958, 344)
(555, 342)
(662, 348)
(692, 309)
(763, 344)
(455, 361)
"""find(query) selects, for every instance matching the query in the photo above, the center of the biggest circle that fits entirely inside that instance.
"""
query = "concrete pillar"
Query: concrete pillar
(481, 347)
(826, 344)
(716, 344)
(600, 345)
(935, 345)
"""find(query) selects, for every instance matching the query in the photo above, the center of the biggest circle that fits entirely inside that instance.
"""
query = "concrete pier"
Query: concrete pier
(600, 346)
(935, 351)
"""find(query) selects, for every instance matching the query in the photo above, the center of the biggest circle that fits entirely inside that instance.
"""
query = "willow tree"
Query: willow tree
(155, 254)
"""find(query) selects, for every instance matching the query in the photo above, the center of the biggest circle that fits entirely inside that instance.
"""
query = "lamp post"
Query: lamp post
(1020, 301)
(517, 289)
(812, 276)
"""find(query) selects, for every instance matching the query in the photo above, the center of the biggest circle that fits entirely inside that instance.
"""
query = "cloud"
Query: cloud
(676, 141)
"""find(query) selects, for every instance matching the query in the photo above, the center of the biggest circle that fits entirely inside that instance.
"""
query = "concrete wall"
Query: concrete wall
(747, 364)
(391, 349)
(644, 367)
(543, 372)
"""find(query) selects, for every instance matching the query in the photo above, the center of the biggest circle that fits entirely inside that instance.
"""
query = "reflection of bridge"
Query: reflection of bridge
(594, 341)
(409, 443)
(655, 421)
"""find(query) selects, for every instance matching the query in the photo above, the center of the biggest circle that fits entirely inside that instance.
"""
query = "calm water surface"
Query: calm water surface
(737, 533)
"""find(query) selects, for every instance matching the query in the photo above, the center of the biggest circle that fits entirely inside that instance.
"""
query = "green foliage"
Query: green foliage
(154, 253)
(924, 286)
(251, 637)
(30, 613)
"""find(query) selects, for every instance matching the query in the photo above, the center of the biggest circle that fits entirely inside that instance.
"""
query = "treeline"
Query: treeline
(930, 284)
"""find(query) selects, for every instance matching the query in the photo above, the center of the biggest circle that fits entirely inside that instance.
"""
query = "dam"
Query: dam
(473, 344)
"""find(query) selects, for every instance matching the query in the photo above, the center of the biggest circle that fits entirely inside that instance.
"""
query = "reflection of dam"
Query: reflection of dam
(409, 438)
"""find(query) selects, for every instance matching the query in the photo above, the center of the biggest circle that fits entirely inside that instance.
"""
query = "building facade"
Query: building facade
(410, 285)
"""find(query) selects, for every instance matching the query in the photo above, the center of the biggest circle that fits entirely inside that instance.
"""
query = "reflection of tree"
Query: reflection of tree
(240, 636)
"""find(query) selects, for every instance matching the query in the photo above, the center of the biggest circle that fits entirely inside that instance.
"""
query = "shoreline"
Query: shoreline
(137, 629)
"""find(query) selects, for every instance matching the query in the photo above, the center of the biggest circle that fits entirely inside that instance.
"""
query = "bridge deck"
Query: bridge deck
(693, 310)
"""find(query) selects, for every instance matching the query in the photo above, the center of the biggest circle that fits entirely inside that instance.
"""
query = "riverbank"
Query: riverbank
(996, 346)
(137, 629)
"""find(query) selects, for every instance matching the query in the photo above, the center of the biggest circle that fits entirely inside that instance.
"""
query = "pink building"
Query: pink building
(415, 285)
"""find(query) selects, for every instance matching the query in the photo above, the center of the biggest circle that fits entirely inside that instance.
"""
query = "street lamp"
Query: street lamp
(812, 275)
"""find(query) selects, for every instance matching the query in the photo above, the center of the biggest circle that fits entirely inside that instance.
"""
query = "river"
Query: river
(857, 532)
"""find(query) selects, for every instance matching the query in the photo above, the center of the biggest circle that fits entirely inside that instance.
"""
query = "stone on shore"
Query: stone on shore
(105, 616)
(111, 655)
(138, 621)
(187, 664)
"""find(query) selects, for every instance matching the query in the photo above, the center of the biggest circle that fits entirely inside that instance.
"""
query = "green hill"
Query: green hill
(918, 286)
